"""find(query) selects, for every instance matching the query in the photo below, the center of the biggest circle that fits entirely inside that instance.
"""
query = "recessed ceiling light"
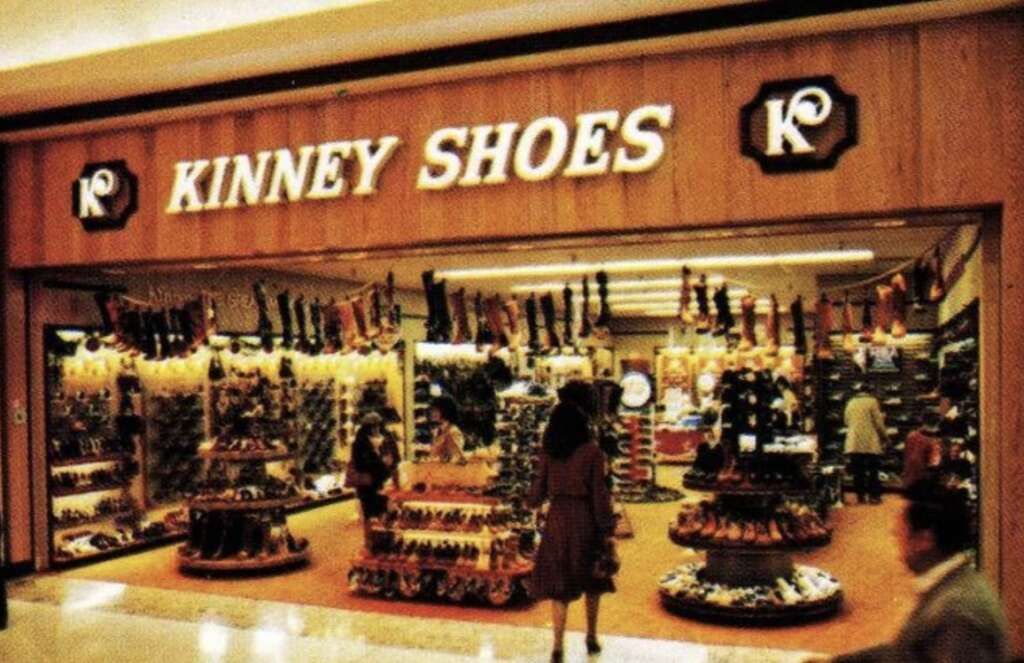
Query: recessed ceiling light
(661, 264)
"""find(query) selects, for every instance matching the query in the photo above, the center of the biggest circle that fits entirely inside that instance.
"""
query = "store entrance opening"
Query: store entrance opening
(203, 429)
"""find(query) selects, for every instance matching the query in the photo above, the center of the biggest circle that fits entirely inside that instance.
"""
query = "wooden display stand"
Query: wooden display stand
(273, 554)
(759, 569)
(419, 562)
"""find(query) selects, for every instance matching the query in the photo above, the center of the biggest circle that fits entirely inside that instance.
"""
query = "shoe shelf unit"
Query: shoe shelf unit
(237, 518)
(521, 419)
(903, 374)
(633, 471)
(757, 519)
(443, 545)
(956, 347)
(96, 450)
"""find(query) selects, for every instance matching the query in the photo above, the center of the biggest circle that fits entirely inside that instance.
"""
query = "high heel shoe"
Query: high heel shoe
(556, 656)
(592, 646)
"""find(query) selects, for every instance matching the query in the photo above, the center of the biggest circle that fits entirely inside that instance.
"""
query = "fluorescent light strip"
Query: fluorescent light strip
(613, 285)
(661, 264)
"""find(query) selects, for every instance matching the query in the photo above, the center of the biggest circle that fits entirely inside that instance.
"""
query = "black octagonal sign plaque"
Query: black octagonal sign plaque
(105, 195)
(798, 124)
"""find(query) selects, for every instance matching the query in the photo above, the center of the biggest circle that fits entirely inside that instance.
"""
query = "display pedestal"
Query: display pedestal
(446, 546)
(750, 531)
(236, 529)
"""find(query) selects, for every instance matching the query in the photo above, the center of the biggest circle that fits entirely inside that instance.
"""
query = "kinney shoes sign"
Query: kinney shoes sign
(791, 125)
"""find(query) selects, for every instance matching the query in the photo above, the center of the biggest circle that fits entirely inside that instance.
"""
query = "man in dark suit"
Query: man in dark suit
(958, 617)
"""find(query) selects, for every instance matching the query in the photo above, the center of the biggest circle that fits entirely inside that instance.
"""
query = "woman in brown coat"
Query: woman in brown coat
(571, 478)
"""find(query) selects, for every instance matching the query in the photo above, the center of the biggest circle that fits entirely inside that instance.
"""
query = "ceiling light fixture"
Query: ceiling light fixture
(614, 285)
(660, 264)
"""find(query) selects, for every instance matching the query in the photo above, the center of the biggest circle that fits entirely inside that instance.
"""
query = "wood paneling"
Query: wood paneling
(926, 138)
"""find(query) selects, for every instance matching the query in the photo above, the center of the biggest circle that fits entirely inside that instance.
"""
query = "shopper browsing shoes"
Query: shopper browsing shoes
(374, 461)
(449, 443)
(922, 451)
(958, 616)
(580, 523)
(865, 435)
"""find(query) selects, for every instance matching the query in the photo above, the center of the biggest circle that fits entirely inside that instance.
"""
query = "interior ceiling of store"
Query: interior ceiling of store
(891, 246)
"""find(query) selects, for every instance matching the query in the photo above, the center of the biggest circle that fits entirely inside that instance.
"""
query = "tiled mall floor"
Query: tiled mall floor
(85, 621)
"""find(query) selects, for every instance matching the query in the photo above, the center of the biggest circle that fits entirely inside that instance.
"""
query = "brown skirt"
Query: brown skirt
(565, 559)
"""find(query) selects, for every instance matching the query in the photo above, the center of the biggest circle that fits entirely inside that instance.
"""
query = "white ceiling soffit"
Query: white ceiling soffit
(111, 49)
(114, 48)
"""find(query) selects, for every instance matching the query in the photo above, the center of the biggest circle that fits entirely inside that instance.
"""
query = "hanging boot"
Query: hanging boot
(823, 328)
(883, 316)
(773, 327)
(547, 309)
(374, 329)
(188, 332)
(444, 317)
(302, 341)
(284, 307)
(149, 344)
(350, 329)
(134, 327)
(316, 320)
(867, 326)
(567, 313)
(484, 335)
(357, 305)
(531, 322)
(428, 293)
(849, 338)
(748, 337)
(703, 307)
(515, 335)
(492, 307)
(264, 328)
(922, 281)
(796, 312)
(899, 306)
(458, 302)
(724, 321)
(685, 296)
(332, 327)
(585, 324)
(102, 299)
(602, 330)
(216, 371)
(163, 332)
(938, 289)
(389, 332)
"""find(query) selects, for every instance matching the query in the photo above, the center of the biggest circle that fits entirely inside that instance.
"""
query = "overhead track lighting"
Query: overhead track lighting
(660, 264)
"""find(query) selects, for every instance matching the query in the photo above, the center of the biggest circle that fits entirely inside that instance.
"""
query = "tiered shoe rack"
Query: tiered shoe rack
(755, 524)
(902, 393)
(450, 546)
(633, 471)
(237, 520)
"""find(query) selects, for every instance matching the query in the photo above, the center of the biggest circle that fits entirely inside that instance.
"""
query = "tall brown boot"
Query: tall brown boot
(938, 289)
(511, 307)
(458, 302)
(822, 328)
(685, 295)
(494, 320)
(773, 326)
(883, 316)
(849, 338)
(585, 324)
(703, 307)
(899, 306)
(749, 320)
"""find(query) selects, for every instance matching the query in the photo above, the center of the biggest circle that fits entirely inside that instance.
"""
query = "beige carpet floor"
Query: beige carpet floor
(863, 555)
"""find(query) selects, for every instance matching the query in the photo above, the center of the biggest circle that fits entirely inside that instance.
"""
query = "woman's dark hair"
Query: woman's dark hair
(567, 429)
(581, 394)
(447, 407)
(943, 511)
